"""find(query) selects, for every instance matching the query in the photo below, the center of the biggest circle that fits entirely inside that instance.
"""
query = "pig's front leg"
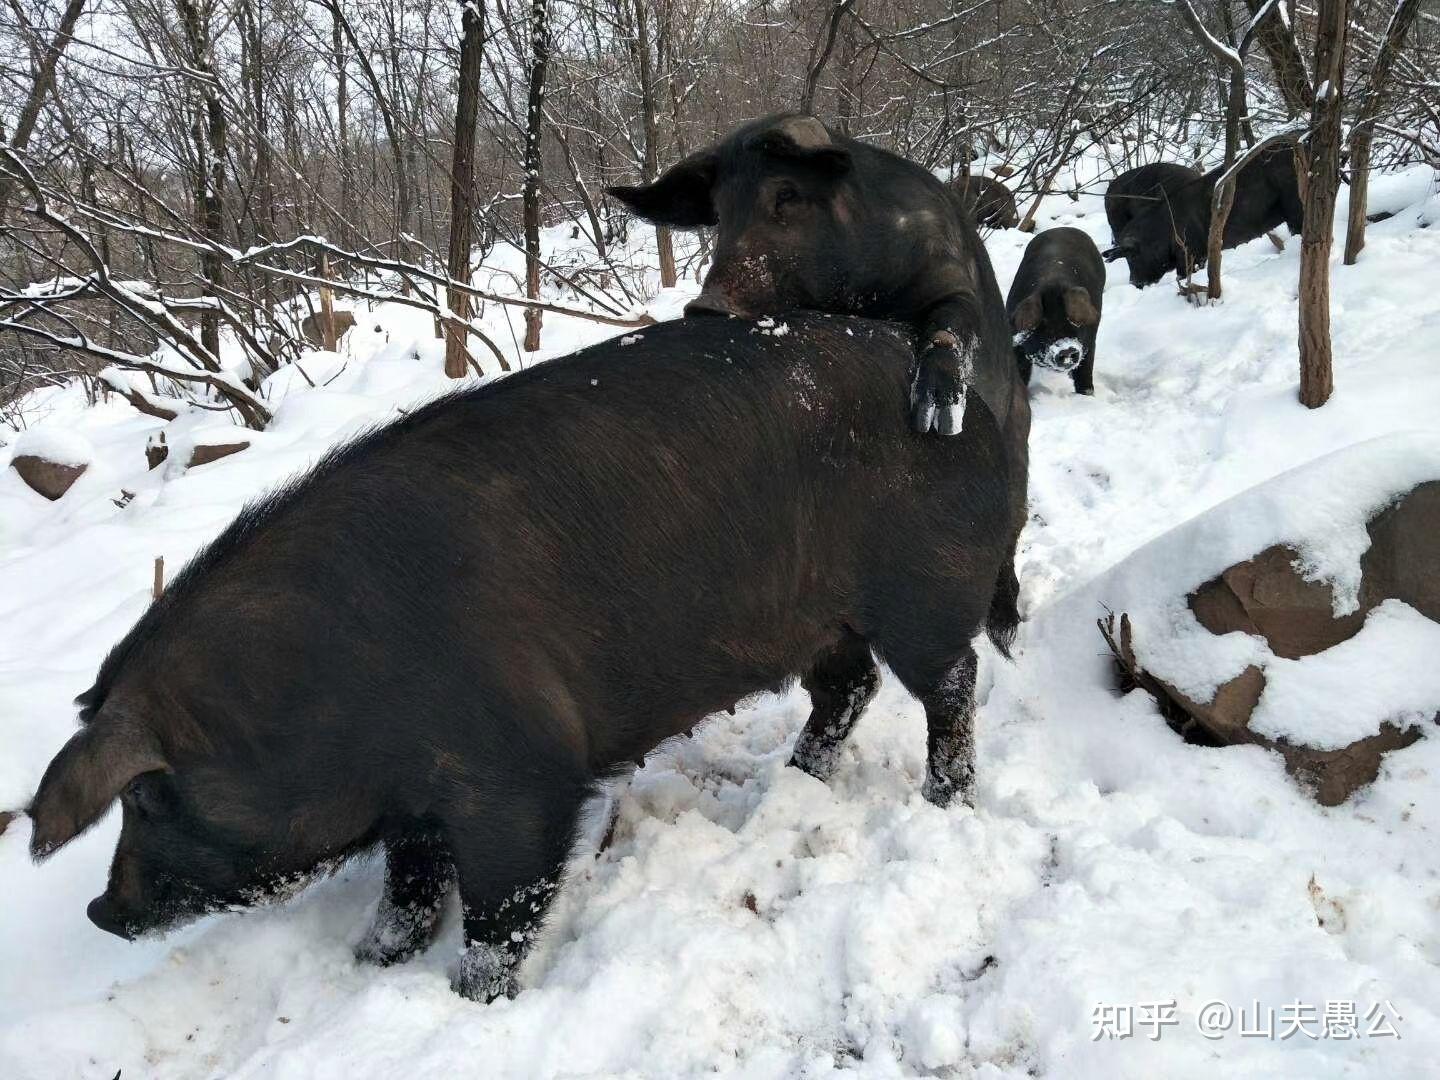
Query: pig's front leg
(946, 368)
(418, 876)
(510, 866)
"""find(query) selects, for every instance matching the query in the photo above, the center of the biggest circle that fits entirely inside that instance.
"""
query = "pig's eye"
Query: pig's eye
(146, 793)
(787, 193)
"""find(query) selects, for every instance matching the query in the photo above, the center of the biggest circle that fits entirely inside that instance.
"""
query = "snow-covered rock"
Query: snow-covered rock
(1310, 641)
(51, 459)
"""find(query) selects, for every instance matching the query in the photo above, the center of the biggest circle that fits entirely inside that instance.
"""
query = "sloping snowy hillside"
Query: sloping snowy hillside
(747, 920)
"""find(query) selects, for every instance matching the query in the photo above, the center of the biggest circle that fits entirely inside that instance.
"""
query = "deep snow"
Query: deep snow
(747, 920)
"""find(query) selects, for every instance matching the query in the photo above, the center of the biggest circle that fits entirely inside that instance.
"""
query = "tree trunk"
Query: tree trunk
(383, 104)
(1224, 194)
(328, 337)
(1276, 35)
(342, 132)
(1363, 132)
(1322, 183)
(651, 166)
(208, 132)
(44, 79)
(530, 193)
(462, 186)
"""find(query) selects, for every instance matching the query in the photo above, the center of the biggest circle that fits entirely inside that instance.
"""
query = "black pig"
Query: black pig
(1054, 305)
(811, 219)
(1134, 191)
(1175, 233)
(987, 201)
(446, 634)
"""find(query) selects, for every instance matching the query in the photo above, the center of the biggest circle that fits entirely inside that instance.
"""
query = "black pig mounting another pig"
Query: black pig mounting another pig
(445, 635)
(807, 218)
(1054, 305)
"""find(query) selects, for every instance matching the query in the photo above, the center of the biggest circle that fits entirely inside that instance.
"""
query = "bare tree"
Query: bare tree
(1230, 53)
(1362, 132)
(1321, 184)
(42, 85)
(462, 185)
(534, 131)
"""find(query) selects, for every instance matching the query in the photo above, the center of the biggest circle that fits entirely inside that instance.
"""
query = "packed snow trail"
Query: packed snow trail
(746, 920)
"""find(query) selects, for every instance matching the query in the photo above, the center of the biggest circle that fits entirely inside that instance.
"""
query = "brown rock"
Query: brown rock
(1269, 597)
(204, 454)
(1332, 776)
(1404, 557)
(6, 816)
(49, 478)
(1226, 717)
(310, 326)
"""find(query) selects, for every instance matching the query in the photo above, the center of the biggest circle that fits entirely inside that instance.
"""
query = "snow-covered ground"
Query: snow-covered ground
(747, 920)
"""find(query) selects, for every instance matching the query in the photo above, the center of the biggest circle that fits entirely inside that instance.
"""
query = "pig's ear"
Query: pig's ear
(681, 196)
(808, 141)
(1027, 314)
(86, 777)
(1078, 308)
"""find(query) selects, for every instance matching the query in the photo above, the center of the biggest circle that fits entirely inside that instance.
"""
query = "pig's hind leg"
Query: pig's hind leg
(841, 684)
(510, 859)
(932, 656)
(418, 875)
(950, 722)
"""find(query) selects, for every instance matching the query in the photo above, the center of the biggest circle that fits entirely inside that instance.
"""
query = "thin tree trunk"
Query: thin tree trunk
(342, 134)
(651, 166)
(820, 55)
(1276, 34)
(1224, 195)
(1322, 183)
(1363, 131)
(208, 132)
(462, 186)
(383, 105)
(44, 80)
(530, 193)
(328, 337)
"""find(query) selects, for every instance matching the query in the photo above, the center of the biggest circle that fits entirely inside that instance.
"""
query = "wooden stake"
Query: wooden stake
(327, 307)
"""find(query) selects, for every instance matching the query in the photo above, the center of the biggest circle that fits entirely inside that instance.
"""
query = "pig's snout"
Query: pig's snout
(1067, 358)
(104, 915)
(714, 303)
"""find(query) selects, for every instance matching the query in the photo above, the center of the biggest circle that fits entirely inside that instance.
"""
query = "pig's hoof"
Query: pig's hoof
(486, 972)
(944, 792)
(397, 934)
(937, 396)
(817, 757)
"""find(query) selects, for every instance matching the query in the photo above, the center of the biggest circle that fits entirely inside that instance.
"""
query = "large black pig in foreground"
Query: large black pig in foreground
(441, 638)
(1054, 305)
(811, 219)
(1137, 190)
(1175, 232)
